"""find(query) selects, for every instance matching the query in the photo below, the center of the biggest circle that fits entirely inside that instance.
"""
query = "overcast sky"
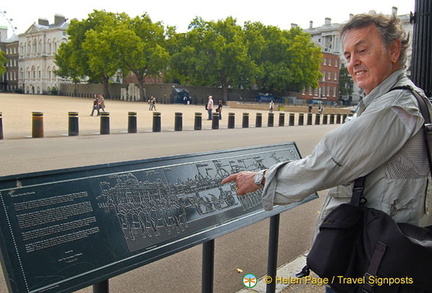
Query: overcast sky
(180, 13)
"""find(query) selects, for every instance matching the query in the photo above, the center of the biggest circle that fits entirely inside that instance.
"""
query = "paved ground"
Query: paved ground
(17, 115)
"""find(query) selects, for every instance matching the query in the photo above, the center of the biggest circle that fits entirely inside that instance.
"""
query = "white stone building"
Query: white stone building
(37, 48)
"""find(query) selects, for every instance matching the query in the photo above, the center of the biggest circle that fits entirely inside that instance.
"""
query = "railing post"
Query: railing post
(273, 252)
(101, 287)
(37, 129)
(104, 123)
(132, 122)
(208, 267)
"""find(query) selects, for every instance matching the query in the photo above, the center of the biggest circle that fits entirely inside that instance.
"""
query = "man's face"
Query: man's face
(369, 61)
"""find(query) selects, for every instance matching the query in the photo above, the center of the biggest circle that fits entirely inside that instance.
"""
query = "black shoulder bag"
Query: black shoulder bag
(360, 249)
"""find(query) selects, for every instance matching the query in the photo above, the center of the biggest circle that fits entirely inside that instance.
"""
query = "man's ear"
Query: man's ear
(395, 50)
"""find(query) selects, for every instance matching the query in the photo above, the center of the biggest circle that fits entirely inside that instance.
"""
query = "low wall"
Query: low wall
(288, 108)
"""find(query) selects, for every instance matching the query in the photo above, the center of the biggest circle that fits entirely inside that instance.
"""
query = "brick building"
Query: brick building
(328, 88)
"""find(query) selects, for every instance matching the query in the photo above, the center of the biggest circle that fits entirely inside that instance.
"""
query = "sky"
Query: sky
(180, 13)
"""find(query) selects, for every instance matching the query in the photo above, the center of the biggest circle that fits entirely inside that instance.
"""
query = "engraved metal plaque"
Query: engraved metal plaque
(66, 229)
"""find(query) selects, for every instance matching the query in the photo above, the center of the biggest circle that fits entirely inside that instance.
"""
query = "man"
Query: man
(384, 142)
(210, 108)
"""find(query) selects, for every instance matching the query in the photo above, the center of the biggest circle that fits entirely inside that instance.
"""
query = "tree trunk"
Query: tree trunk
(142, 92)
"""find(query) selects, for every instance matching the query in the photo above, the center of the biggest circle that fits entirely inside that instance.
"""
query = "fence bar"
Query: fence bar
(273, 252)
(208, 267)
(101, 287)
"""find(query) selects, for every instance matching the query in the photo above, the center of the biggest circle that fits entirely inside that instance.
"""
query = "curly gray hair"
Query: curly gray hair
(390, 29)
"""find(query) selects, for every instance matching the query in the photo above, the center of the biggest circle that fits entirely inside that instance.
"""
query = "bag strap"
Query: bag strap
(427, 127)
(357, 198)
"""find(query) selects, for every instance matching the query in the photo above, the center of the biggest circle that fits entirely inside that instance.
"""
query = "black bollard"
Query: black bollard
(215, 120)
(104, 123)
(317, 119)
(156, 121)
(178, 121)
(73, 124)
(301, 119)
(245, 122)
(258, 122)
(1, 125)
(198, 121)
(37, 129)
(231, 120)
(270, 121)
(291, 119)
(132, 122)
(281, 119)
(309, 119)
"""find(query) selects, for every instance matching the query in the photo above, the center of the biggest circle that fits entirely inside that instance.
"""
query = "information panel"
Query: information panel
(68, 229)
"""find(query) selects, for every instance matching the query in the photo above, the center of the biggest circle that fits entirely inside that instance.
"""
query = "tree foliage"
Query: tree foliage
(3, 61)
(211, 53)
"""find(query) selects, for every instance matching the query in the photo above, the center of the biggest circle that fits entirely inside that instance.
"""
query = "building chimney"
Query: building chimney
(327, 21)
(294, 25)
(42, 21)
(310, 24)
(394, 10)
(59, 19)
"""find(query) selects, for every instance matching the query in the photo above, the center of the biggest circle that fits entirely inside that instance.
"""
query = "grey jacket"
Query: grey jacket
(384, 142)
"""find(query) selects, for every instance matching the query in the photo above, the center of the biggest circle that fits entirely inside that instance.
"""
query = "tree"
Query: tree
(213, 54)
(84, 55)
(141, 49)
(288, 59)
(3, 61)
(346, 84)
